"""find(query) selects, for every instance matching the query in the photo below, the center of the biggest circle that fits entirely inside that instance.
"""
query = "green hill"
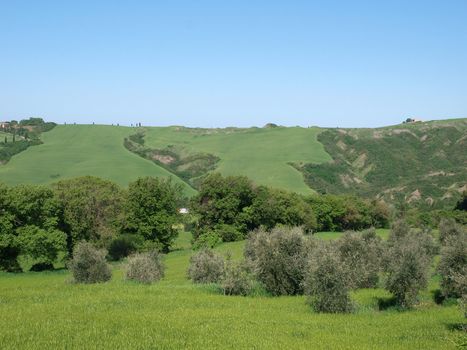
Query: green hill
(423, 164)
(262, 154)
(77, 150)
(420, 163)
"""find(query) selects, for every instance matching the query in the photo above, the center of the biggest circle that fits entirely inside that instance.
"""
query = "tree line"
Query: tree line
(44, 223)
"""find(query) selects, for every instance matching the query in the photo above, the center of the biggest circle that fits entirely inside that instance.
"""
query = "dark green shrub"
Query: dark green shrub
(41, 266)
(229, 233)
(122, 246)
(326, 281)
(88, 264)
(407, 268)
(278, 259)
(206, 266)
(453, 266)
(361, 254)
(145, 267)
(237, 280)
(208, 239)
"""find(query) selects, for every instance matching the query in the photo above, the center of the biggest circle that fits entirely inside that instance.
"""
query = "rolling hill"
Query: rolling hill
(77, 150)
(423, 164)
(420, 163)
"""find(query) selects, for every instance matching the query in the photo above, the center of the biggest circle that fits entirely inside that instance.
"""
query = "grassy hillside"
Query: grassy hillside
(262, 154)
(421, 163)
(43, 310)
(76, 150)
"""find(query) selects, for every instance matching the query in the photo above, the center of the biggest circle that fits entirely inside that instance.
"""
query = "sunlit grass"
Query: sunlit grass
(45, 311)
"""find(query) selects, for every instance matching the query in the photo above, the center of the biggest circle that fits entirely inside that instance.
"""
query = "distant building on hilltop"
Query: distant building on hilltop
(411, 120)
(4, 125)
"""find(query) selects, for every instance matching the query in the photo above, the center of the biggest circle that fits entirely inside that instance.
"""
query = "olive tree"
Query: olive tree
(88, 264)
(453, 267)
(327, 282)
(206, 266)
(278, 259)
(360, 254)
(408, 264)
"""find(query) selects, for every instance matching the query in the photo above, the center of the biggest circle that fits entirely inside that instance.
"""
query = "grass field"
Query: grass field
(44, 311)
(78, 150)
(262, 154)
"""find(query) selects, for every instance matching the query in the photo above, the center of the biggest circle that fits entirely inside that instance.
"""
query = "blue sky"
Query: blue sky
(239, 63)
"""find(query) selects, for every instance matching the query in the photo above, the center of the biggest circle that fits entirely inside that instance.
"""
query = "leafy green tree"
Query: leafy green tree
(231, 206)
(339, 213)
(9, 248)
(34, 205)
(151, 210)
(41, 245)
(223, 200)
(29, 218)
(273, 207)
(91, 209)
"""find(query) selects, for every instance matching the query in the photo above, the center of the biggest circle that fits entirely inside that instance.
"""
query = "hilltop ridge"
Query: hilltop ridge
(421, 163)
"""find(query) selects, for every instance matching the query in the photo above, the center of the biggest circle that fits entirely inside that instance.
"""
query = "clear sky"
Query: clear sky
(240, 63)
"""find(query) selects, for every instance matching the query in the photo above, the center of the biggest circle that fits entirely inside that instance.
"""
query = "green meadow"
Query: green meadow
(262, 154)
(45, 311)
(79, 150)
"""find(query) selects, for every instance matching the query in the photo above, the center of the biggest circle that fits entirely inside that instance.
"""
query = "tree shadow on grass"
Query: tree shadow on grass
(438, 297)
(457, 326)
(389, 303)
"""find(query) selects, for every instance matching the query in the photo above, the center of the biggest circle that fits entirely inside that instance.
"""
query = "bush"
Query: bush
(326, 281)
(237, 280)
(453, 267)
(145, 267)
(122, 246)
(88, 264)
(361, 254)
(278, 259)
(407, 268)
(207, 239)
(206, 266)
(229, 233)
